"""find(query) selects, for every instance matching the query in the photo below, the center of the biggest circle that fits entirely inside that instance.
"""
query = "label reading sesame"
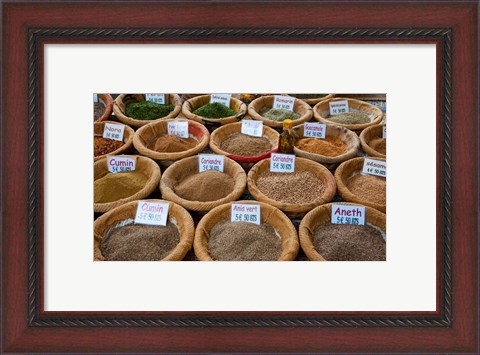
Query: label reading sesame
(314, 130)
(223, 99)
(157, 98)
(282, 163)
(284, 102)
(241, 212)
(375, 167)
(252, 128)
(210, 162)
(345, 214)
(118, 164)
(178, 128)
(113, 131)
(152, 213)
(338, 107)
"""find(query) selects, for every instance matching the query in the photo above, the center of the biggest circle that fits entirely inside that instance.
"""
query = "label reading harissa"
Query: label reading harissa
(245, 213)
(345, 214)
(223, 99)
(178, 128)
(210, 162)
(152, 213)
(113, 131)
(374, 167)
(338, 107)
(157, 98)
(283, 102)
(282, 163)
(117, 164)
(314, 130)
(252, 128)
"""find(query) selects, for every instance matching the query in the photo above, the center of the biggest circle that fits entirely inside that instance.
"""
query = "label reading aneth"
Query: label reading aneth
(113, 131)
(283, 102)
(252, 128)
(210, 162)
(157, 98)
(282, 163)
(314, 130)
(375, 167)
(223, 99)
(152, 213)
(245, 213)
(118, 164)
(345, 214)
(178, 128)
(338, 107)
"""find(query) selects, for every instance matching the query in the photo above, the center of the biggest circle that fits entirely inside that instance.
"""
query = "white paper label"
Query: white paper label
(374, 167)
(95, 97)
(314, 130)
(210, 162)
(120, 164)
(241, 212)
(223, 99)
(178, 128)
(384, 132)
(152, 213)
(157, 98)
(282, 163)
(284, 102)
(345, 214)
(338, 107)
(252, 128)
(113, 131)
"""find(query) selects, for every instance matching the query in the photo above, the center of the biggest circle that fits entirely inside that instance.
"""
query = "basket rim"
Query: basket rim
(108, 101)
(365, 144)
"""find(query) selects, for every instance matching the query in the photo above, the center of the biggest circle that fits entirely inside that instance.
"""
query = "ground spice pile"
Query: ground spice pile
(215, 110)
(291, 187)
(329, 147)
(147, 110)
(103, 146)
(140, 242)
(277, 114)
(98, 110)
(368, 187)
(379, 145)
(343, 242)
(350, 118)
(114, 187)
(242, 241)
(206, 186)
(245, 145)
(171, 144)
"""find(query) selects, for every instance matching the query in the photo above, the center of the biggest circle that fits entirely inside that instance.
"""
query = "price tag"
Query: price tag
(252, 128)
(113, 131)
(384, 132)
(157, 98)
(284, 102)
(152, 213)
(282, 163)
(120, 164)
(338, 107)
(315, 130)
(178, 128)
(241, 212)
(95, 97)
(374, 167)
(223, 99)
(210, 162)
(345, 214)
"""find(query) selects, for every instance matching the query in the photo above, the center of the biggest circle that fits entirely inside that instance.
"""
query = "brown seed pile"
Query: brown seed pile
(329, 147)
(98, 110)
(245, 145)
(140, 242)
(171, 144)
(103, 146)
(242, 241)
(114, 187)
(209, 185)
(300, 187)
(342, 242)
(379, 145)
(350, 118)
(368, 187)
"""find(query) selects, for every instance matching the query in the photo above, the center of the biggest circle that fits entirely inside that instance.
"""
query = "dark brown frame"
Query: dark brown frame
(450, 25)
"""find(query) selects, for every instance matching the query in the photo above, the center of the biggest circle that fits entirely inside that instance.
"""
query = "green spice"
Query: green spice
(147, 110)
(277, 114)
(215, 110)
(350, 118)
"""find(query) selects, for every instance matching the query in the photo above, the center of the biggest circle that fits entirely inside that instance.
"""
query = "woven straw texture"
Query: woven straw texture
(178, 171)
(293, 210)
(192, 104)
(262, 103)
(144, 164)
(108, 101)
(314, 101)
(323, 214)
(176, 214)
(269, 214)
(127, 138)
(366, 137)
(122, 101)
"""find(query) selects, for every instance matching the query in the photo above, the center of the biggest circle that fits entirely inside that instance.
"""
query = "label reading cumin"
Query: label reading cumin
(241, 212)
(375, 167)
(283, 102)
(178, 128)
(156, 98)
(152, 213)
(338, 107)
(118, 164)
(223, 99)
(210, 162)
(252, 128)
(282, 163)
(345, 214)
(113, 131)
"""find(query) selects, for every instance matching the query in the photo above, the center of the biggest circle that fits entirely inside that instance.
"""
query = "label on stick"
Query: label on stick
(345, 214)
(157, 98)
(252, 128)
(338, 107)
(314, 130)
(113, 131)
(152, 213)
(282, 163)
(178, 128)
(374, 167)
(283, 102)
(210, 162)
(241, 212)
(118, 164)
(223, 99)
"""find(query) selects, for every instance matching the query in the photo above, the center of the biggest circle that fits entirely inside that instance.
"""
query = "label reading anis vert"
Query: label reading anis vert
(245, 213)
(113, 131)
(157, 98)
(345, 214)
(152, 213)
(252, 128)
(118, 164)
(375, 167)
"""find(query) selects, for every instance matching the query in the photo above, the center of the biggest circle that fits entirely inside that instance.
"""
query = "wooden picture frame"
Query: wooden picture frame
(451, 25)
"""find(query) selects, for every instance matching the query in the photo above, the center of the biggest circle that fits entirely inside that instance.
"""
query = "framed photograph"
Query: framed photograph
(418, 61)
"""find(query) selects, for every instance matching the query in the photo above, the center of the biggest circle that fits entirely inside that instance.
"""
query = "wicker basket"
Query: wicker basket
(269, 214)
(321, 112)
(314, 101)
(127, 138)
(108, 102)
(347, 136)
(293, 210)
(321, 215)
(189, 166)
(196, 102)
(344, 172)
(176, 214)
(151, 169)
(367, 135)
(266, 102)
(222, 133)
(123, 100)
(154, 130)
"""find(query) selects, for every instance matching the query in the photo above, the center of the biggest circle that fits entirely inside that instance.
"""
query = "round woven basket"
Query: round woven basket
(123, 100)
(314, 101)
(108, 102)
(222, 133)
(126, 212)
(127, 138)
(367, 135)
(154, 130)
(293, 210)
(198, 101)
(321, 112)
(144, 164)
(347, 136)
(262, 103)
(323, 214)
(269, 214)
(344, 172)
(189, 166)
